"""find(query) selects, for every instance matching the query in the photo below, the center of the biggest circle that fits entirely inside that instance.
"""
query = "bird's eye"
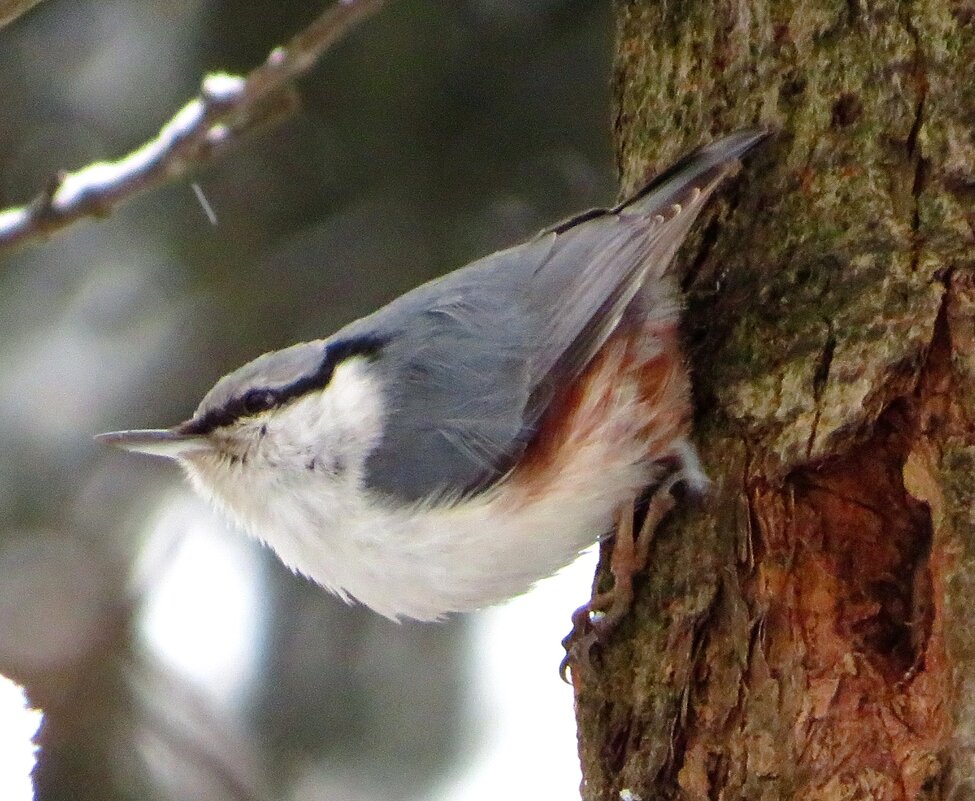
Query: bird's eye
(257, 400)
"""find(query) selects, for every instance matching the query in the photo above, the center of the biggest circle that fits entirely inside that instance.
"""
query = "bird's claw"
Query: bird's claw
(591, 630)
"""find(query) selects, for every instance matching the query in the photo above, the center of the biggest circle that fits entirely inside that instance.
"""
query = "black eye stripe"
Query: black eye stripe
(262, 399)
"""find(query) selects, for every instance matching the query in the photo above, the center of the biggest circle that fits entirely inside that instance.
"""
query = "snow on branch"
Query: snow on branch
(11, 9)
(227, 107)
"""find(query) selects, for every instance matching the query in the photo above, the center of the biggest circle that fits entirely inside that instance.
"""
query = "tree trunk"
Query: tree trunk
(805, 634)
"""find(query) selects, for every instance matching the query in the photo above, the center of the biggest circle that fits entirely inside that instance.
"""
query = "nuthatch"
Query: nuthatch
(477, 433)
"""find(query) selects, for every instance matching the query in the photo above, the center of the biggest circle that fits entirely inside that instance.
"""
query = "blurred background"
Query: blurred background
(172, 657)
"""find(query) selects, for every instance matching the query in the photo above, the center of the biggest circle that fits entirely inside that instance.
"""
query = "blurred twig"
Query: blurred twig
(227, 107)
(11, 9)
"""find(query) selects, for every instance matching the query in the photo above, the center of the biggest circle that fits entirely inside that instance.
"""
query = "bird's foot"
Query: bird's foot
(593, 623)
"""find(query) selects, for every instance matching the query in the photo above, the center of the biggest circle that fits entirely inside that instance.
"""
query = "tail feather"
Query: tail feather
(697, 170)
(701, 171)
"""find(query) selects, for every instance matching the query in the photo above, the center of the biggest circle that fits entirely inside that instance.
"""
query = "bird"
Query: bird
(473, 436)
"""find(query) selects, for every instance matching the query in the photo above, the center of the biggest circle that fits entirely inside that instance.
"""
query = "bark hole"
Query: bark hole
(847, 573)
(858, 532)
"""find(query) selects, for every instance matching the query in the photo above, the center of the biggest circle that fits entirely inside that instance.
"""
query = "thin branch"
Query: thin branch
(227, 107)
(11, 9)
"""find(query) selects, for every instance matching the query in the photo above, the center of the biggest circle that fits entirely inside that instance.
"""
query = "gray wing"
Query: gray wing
(472, 360)
(456, 380)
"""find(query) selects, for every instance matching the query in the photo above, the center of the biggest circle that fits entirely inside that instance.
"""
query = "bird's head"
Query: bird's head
(305, 414)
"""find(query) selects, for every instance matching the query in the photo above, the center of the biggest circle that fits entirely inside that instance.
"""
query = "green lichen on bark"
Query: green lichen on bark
(819, 286)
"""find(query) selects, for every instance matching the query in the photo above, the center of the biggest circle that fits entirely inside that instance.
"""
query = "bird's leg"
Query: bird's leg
(593, 623)
(629, 558)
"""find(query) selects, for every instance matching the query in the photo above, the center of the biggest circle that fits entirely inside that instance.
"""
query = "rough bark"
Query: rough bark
(806, 634)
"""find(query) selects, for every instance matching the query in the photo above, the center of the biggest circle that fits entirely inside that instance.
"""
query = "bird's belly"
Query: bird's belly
(427, 562)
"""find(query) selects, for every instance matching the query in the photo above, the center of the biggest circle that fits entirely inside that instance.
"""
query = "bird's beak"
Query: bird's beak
(168, 442)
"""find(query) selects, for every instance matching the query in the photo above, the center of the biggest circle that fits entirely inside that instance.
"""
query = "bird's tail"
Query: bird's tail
(672, 201)
(699, 171)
